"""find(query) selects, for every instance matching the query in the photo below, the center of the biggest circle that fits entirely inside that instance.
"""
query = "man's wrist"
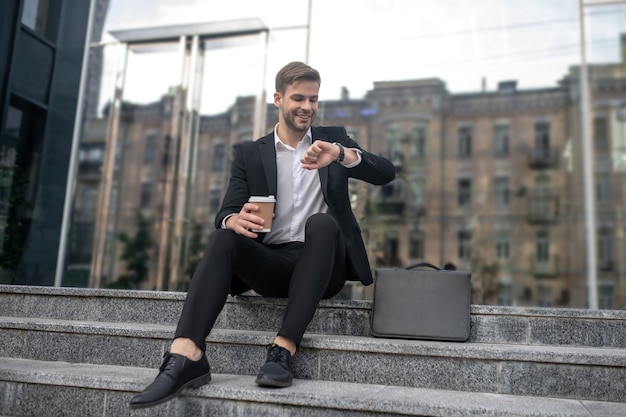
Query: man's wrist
(224, 226)
(342, 152)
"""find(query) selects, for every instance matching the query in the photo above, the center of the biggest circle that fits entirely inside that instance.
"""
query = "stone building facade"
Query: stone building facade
(490, 181)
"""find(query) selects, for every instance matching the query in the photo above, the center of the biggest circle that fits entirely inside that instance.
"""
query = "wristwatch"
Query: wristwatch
(342, 153)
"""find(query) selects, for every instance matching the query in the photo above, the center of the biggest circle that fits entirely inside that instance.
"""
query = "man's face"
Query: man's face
(298, 105)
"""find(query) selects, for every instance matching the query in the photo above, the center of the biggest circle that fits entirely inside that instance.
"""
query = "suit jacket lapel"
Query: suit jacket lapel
(268, 159)
(323, 172)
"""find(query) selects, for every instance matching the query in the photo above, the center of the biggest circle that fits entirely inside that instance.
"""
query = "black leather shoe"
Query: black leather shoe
(277, 369)
(175, 374)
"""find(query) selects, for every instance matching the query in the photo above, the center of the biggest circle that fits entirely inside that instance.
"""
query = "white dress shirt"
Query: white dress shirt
(299, 192)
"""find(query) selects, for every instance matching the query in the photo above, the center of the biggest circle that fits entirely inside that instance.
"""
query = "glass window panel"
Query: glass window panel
(464, 245)
(494, 99)
(42, 16)
(542, 254)
(501, 192)
(501, 140)
(464, 196)
(600, 134)
(465, 142)
(219, 157)
(505, 294)
(503, 245)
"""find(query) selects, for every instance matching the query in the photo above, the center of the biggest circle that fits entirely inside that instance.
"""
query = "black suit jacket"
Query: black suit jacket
(254, 173)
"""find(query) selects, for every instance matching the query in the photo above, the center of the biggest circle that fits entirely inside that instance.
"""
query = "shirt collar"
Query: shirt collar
(278, 144)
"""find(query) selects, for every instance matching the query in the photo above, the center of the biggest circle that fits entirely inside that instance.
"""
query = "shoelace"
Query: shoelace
(278, 354)
(168, 361)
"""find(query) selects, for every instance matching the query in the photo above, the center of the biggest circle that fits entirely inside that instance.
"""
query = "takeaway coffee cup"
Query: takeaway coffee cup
(266, 209)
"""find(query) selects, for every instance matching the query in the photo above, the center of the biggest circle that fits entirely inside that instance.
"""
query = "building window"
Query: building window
(391, 250)
(603, 187)
(219, 157)
(501, 191)
(119, 153)
(544, 296)
(416, 244)
(150, 152)
(146, 194)
(87, 204)
(542, 186)
(505, 294)
(42, 17)
(542, 140)
(600, 134)
(393, 146)
(114, 196)
(605, 296)
(503, 242)
(464, 192)
(214, 199)
(605, 248)
(465, 245)
(418, 191)
(418, 142)
(501, 140)
(543, 247)
(465, 142)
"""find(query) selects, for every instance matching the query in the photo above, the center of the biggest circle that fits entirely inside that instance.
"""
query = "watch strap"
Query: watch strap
(342, 152)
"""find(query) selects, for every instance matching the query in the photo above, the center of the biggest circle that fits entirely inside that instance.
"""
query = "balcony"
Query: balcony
(542, 158)
(542, 210)
(394, 207)
(89, 171)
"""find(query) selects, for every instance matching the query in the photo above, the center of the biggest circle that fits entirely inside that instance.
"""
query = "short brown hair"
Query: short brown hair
(295, 71)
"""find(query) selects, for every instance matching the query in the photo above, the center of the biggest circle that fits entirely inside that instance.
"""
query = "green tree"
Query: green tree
(136, 254)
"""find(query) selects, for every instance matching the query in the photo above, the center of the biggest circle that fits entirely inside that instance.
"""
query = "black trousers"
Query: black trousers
(303, 272)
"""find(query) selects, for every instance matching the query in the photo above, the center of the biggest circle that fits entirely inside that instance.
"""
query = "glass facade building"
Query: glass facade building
(506, 122)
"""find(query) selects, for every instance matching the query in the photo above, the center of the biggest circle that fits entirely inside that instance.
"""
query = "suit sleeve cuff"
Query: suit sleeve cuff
(226, 218)
(358, 159)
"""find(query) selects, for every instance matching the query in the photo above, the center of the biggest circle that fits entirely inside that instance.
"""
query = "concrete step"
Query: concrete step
(529, 370)
(42, 388)
(489, 324)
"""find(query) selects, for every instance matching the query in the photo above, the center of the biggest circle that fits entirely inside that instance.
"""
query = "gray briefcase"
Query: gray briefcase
(412, 303)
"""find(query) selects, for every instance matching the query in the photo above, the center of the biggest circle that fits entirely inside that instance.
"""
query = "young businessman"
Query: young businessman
(313, 247)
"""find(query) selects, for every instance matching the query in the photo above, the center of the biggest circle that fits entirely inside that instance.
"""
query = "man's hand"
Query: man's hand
(245, 222)
(319, 155)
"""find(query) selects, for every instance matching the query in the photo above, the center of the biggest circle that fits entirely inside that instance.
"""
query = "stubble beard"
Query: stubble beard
(290, 121)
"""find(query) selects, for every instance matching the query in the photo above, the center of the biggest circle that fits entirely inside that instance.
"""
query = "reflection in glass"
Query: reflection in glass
(478, 107)
(42, 16)
(20, 167)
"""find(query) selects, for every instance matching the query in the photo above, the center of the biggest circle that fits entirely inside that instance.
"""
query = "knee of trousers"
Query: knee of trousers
(221, 240)
(321, 224)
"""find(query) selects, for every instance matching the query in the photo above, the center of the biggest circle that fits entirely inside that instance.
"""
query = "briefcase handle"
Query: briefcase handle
(447, 267)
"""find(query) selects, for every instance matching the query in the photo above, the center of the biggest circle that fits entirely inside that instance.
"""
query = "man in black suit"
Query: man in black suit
(313, 247)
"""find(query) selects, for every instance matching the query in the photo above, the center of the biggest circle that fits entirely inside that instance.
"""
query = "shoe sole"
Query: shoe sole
(194, 383)
(272, 383)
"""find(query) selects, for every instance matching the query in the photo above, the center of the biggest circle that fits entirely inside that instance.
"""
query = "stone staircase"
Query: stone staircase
(84, 352)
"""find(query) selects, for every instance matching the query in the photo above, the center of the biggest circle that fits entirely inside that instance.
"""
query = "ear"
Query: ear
(277, 98)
